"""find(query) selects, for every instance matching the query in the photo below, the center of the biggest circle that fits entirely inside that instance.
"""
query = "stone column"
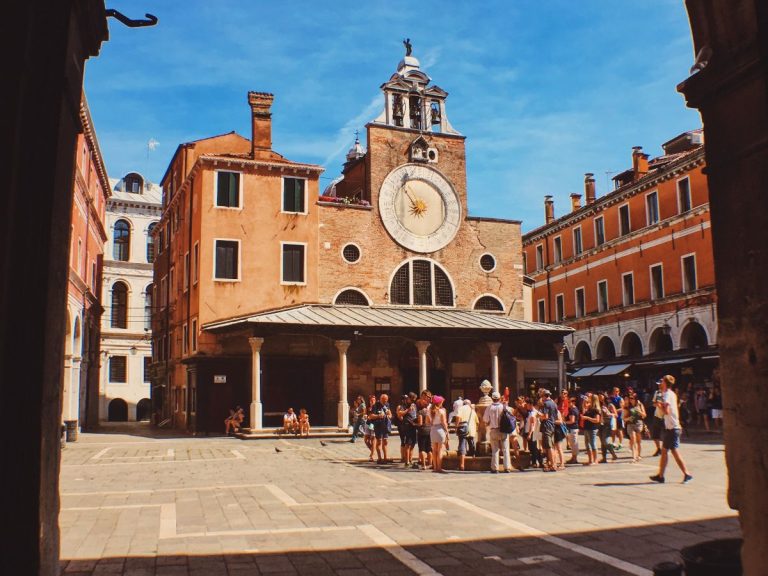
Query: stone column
(256, 408)
(493, 347)
(560, 349)
(343, 411)
(421, 346)
(73, 398)
(66, 408)
(729, 86)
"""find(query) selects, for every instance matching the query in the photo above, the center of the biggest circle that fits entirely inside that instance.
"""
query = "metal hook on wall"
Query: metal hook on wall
(150, 21)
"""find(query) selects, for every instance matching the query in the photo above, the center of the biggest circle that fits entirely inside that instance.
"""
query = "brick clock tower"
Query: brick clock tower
(416, 163)
(410, 220)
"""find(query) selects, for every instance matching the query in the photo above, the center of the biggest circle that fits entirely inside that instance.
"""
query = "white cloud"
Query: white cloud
(343, 140)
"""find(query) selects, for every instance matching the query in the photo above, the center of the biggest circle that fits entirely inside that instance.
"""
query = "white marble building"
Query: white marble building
(132, 211)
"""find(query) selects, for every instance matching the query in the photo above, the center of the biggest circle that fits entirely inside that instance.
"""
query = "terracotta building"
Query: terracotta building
(84, 306)
(271, 294)
(632, 271)
(132, 212)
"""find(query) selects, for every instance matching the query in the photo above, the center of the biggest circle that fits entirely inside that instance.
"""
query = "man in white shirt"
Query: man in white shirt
(666, 403)
(463, 417)
(498, 439)
(290, 422)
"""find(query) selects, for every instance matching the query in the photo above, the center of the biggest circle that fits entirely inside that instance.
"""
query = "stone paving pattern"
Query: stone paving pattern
(165, 506)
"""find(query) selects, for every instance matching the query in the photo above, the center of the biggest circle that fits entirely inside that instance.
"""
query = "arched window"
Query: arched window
(605, 349)
(151, 243)
(583, 353)
(489, 303)
(351, 297)
(421, 283)
(143, 409)
(631, 346)
(119, 305)
(661, 341)
(122, 241)
(133, 183)
(148, 307)
(117, 410)
(694, 336)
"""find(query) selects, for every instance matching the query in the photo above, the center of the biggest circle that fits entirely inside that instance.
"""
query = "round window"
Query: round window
(487, 262)
(351, 253)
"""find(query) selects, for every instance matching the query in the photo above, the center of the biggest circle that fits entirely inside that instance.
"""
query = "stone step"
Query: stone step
(277, 433)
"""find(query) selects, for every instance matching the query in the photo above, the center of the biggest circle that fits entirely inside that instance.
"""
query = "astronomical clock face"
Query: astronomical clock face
(419, 208)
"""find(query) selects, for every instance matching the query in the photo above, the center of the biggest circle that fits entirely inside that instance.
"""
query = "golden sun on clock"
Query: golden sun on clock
(419, 208)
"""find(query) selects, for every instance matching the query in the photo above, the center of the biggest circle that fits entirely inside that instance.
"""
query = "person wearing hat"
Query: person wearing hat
(499, 440)
(672, 431)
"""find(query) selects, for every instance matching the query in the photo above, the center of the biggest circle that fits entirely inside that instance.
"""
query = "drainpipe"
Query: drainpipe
(188, 273)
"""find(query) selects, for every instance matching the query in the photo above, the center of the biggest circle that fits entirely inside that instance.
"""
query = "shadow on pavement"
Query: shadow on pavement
(138, 429)
(567, 554)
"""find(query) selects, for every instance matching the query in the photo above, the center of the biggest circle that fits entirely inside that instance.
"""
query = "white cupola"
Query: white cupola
(410, 102)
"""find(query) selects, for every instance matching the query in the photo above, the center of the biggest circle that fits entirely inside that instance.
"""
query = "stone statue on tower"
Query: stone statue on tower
(408, 47)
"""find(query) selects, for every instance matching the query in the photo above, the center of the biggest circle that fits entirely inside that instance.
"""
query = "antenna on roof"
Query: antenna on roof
(608, 180)
(152, 144)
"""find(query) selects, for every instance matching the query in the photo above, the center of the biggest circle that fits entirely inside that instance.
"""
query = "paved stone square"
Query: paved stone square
(137, 505)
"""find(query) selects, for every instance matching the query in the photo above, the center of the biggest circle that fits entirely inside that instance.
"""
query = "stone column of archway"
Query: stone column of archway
(343, 409)
(731, 92)
(257, 411)
(560, 350)
(493, 348)
(73, 398)
(421, 346)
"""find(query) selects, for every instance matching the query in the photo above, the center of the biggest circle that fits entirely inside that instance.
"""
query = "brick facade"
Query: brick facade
(642, 292)
(305, 366)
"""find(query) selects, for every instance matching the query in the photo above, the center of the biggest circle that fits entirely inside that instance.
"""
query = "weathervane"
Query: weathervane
(408, 47)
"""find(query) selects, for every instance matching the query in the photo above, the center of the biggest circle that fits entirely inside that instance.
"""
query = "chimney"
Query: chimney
(575, 202)
(639, 163)
(589, 187)
(261, 122)
(549, 209)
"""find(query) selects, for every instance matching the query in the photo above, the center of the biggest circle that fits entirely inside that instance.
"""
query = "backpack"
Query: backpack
(395, 418)
(507, 422)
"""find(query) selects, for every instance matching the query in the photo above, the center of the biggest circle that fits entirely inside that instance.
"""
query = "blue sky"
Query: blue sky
(544, 90)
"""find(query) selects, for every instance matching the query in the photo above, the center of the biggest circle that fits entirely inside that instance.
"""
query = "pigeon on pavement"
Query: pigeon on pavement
(323, 443)
(277, 449)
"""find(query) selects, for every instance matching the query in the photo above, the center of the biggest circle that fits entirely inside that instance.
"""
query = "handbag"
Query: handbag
(462, 429)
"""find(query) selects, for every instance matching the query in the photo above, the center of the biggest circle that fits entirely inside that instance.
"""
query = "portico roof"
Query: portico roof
(316, 316)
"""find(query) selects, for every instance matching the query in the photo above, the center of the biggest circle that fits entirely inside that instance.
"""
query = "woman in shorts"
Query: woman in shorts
(422, 427)
(591, 417)
(438, 432)
(634, 416)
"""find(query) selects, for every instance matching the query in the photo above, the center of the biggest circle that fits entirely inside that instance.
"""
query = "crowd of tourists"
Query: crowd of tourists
(545, 427)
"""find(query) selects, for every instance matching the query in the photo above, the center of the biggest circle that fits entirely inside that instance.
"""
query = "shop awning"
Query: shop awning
(586, 371)
(675, 361)
(612, 370)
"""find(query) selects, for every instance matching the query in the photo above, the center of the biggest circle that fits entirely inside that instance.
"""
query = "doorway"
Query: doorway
(295, 382)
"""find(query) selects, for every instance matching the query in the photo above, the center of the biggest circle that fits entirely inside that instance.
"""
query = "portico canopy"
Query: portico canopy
(388, 319)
